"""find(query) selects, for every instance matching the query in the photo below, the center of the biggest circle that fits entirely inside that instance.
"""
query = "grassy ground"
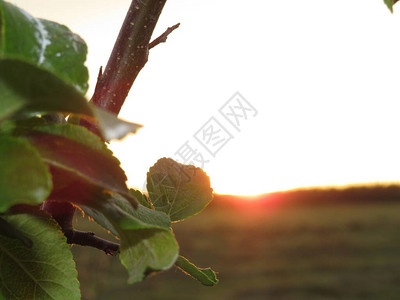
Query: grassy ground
(302, 252)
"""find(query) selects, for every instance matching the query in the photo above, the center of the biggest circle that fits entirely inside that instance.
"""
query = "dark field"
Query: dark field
(343, 251)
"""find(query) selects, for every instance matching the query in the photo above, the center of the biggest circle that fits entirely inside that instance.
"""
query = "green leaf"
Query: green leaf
(46, 271)
(41, 63)
(142, 198)
(10, 102)
(147, 243)
(206, 276)
(116, 208)
(44, 44)
(178, 190)
(20, 126)
(28, 87)
(10, 231)
(79, 162)
(24, 177)
(389, 4)
(76, 133)
(146, 251)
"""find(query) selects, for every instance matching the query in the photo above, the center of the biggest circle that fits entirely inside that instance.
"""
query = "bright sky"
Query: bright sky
(323, 76)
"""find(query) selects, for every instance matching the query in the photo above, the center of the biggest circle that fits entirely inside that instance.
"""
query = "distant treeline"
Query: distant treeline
(312, 196)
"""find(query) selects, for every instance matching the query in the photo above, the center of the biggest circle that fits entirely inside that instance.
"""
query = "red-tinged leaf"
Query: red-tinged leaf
(80, 164)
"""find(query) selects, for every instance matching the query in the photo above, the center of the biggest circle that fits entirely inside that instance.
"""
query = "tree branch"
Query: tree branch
(129, 55)
(163, 38)
(89, 239)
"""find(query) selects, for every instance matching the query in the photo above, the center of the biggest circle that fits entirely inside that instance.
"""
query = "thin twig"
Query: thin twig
(163, 38)
(89, 239)
(63, 212)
